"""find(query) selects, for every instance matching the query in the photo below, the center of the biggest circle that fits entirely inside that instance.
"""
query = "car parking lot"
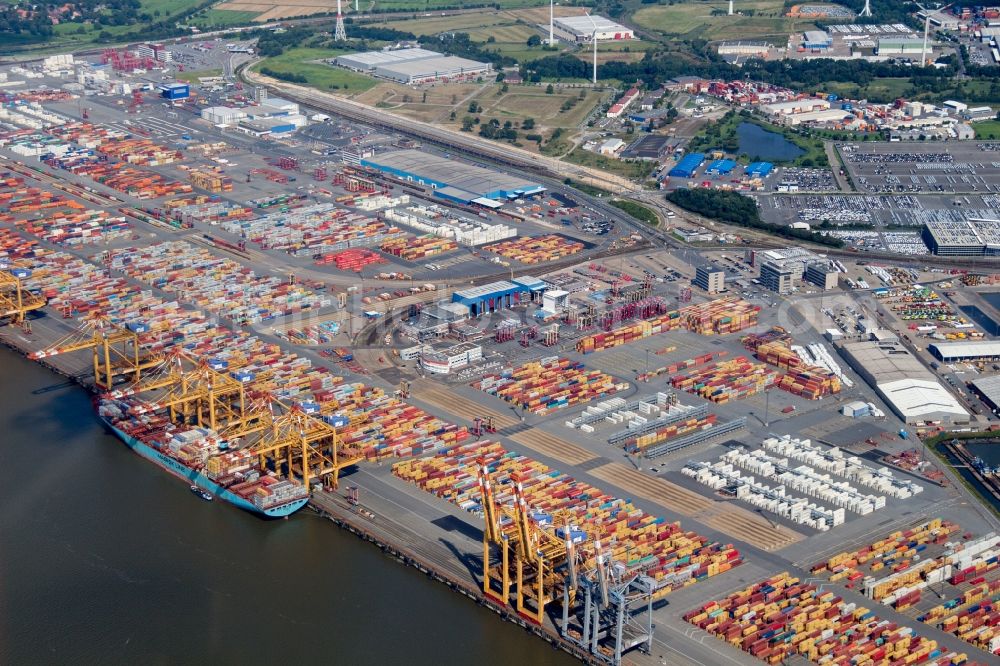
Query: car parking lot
(802, 179)
(932, 167)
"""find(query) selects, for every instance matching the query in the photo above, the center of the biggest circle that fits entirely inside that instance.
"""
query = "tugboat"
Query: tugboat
(205, 495)
(980, 466)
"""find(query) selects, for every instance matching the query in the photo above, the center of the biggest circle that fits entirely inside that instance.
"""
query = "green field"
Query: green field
(166, 7)
(988, 129)
(694, 19)
(880, 91)
(638, 211)
(193, 76)
(221, 17)
(307, 62)
(483, 24)
(638, 170)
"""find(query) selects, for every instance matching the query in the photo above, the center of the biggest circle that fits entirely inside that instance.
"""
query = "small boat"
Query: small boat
(207, 496)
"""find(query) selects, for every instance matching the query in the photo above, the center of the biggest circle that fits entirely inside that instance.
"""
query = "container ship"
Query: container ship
(203, 459)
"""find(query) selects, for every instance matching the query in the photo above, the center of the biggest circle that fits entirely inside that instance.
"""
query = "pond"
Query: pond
(760, 143)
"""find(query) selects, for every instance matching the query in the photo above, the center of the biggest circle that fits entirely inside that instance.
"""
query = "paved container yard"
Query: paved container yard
(256, 272)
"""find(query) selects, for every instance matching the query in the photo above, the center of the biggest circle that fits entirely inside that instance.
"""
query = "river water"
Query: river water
(106, 559)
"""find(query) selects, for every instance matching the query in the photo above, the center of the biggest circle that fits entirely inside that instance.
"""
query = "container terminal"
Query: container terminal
(517, 392)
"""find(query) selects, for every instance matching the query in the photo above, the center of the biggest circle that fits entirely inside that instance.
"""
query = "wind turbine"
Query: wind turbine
(552, 21)
(927, 29)
(593, 39)
(867, 11)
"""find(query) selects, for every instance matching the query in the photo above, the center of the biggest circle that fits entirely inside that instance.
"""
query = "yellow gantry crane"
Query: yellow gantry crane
(306, 445)
(294, 439)
(541, 561)
(193, 391)
(117, 350)
(16, 301)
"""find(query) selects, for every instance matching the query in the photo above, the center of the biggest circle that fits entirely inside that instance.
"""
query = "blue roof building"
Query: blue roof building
(490, 297)
(721, 167)
(759, 169)
(687, 166)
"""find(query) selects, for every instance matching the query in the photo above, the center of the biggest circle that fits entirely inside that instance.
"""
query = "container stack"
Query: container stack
(210, 181)
(728, 380)
(141, 152)
(807, 381)
(351, 260)
(536, 250)
(973, 617)
(270, 491)
(418, 248)
(186, 211)
(781, 617)
(219, 285)
(721, 316)
(17, 199)
(674, 558)
(379, 425)
(777, 334)
(896, 569)
(78, 229)
(549, 384)
(312, 230)
(680, 365)
(642, 442)
(119, 176)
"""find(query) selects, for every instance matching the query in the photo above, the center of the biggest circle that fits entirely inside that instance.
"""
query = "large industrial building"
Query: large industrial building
(584, 28)
(912, 46)
(496, 296)
(455, 181)
(817, 39)
(368, 61)
(687, 166)
(910, 390)
(413, 66)
(966, 238)
(978, 350)
(988, 390)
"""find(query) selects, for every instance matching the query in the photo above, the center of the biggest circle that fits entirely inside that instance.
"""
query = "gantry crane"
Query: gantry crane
(617, 609)
(547, 558)
(194, 392)
(117, 350)
(295, 439)
(16, 301)
(309, 446)
(527, 541)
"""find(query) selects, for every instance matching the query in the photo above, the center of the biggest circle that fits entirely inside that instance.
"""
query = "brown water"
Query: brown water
(106, 559)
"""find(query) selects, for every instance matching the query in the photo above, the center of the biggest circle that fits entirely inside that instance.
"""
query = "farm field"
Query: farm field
(483, 23)
(222, 17)
(432, 105)
(269, 11)
(694, 19)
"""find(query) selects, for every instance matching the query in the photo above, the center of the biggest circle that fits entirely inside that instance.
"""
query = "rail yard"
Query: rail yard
(585, 425)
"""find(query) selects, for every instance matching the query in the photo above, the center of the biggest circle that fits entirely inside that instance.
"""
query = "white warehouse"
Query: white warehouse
(583, 28)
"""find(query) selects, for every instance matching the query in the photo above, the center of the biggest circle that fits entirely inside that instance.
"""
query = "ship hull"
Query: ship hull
(197, 478)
